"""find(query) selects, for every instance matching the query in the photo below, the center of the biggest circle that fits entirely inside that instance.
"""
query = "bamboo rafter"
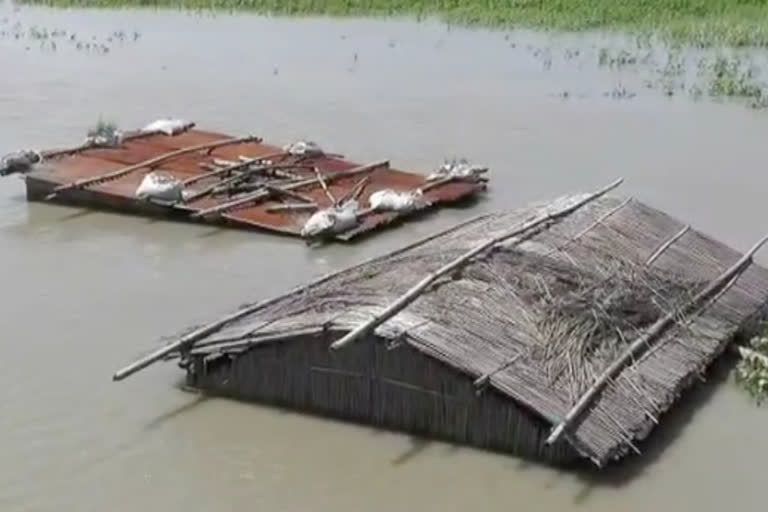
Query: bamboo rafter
(210, 328)
(654, 332)
(412, 294)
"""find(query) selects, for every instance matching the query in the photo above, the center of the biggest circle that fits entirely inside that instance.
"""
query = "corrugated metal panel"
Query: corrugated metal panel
(120, 192)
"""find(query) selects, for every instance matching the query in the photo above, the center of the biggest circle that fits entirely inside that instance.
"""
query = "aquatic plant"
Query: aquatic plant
(699, 22)
(730, 77)
(622, 58)
(104, 133)
(751, 373)
(103, 128)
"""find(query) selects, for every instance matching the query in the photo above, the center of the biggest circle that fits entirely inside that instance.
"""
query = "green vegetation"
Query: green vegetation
(697, 22)
(102, 128)
(752, 371)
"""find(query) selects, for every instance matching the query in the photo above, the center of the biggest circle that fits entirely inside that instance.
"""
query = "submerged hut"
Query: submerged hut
(558, 331)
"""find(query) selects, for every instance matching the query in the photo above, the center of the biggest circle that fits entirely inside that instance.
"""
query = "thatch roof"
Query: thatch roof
(541, 315)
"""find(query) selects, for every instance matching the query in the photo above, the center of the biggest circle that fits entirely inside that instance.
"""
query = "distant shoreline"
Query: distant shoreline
(700, 23)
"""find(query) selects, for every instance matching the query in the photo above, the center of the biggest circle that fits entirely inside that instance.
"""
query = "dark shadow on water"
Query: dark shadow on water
(174, 413)
(672, 425)
(418, 445)
(76, 215)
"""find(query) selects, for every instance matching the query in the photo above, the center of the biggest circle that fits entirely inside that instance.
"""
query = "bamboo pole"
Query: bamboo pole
(666, 245)
(214, 173)
(655, 331)
(216, 325)
(292, 207)
(321, 180)
(82, 183)
(261, 194)
(355, 192)
(482, 381)
(285, 191)
(412, 294)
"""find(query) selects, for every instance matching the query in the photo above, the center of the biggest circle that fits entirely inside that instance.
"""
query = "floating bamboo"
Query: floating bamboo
(655, 331)
(82, 183)
(414, 293)
(212, 327)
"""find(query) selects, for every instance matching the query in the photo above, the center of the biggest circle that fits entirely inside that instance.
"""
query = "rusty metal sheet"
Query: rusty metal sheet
(120, 193)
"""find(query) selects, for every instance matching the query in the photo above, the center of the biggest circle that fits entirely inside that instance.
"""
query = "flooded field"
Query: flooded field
(86, 292)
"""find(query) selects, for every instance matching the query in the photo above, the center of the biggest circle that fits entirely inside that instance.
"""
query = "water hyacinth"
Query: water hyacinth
(752, 371)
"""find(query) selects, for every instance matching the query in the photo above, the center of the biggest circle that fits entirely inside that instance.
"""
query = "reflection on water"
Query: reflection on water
(85, 292)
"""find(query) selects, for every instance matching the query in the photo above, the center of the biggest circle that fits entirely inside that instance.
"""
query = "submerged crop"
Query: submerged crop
(697, 22)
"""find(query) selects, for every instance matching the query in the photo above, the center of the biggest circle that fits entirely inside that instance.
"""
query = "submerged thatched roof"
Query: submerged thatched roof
(540, 316)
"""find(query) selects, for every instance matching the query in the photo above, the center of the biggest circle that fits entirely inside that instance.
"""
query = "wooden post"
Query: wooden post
(82, 183)
(412, 294)
(653, 332)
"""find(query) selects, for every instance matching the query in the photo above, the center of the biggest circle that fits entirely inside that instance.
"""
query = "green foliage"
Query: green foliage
(698, 22)
(752, 371)
(106, 129)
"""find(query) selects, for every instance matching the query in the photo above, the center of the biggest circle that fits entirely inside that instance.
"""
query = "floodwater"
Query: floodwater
(85, 293)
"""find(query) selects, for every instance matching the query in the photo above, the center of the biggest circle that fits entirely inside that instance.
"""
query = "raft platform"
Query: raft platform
(239, 182)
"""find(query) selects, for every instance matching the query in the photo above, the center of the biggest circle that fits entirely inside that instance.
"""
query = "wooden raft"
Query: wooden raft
(241, 182)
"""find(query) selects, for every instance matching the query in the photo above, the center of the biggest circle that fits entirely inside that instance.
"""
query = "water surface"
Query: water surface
(86, 292)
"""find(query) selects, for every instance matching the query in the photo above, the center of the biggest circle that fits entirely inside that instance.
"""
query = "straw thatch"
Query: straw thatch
(529, 324)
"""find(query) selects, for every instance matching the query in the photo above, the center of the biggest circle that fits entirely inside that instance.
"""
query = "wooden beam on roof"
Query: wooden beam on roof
(208, 329)
(589, 228)
(666, 245)
(483, 380)
(415, 292)
(716, 288)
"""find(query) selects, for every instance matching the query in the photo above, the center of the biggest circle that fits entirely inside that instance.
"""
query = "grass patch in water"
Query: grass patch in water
(751, 373)
(697, 22)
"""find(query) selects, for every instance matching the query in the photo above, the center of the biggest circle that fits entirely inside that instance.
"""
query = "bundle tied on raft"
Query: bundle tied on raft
(305, 148)
(168, 126)
(391, 200)
(19, 162)
(161, 186)
(332, 220)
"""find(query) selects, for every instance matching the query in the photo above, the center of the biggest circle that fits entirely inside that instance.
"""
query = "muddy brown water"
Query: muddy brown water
(84, 293)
